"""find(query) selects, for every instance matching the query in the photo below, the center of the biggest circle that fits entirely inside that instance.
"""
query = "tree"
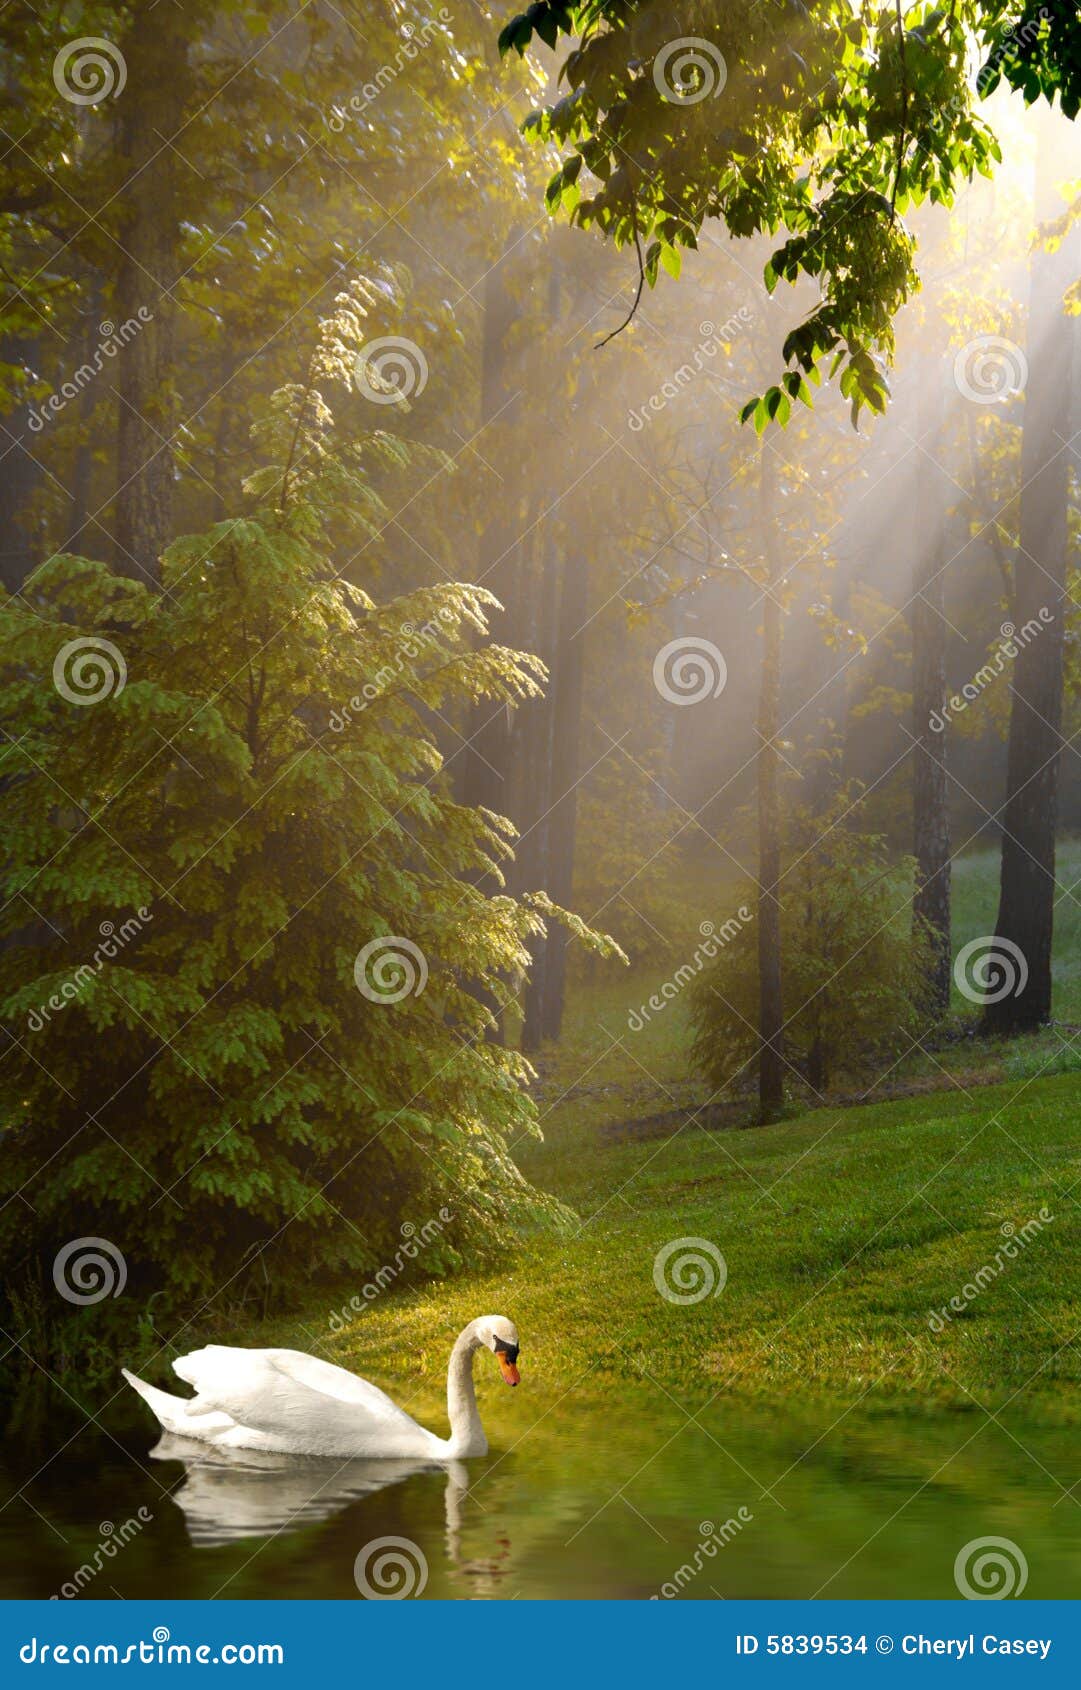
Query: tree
(246, 1047)
(770, 979)
(930, 795)
(1024, 928)
(827, 129)
(569, 668)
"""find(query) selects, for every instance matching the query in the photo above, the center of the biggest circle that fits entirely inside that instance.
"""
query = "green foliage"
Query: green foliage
(804, 119)
(854, 971)
(626, 868)
(1035, 49)
(201, 1067)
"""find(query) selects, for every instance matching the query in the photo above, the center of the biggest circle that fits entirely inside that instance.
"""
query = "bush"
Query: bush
(854, 972)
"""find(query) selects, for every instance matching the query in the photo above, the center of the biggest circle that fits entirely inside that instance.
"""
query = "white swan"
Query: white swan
(295, 1404)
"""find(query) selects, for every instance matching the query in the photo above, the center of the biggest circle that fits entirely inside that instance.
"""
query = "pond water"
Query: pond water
(629, 1502)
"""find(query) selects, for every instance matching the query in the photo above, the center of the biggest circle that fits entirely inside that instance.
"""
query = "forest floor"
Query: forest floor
(843, 1229)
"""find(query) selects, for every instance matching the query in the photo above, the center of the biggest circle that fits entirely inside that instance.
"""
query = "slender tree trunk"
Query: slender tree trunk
(568, 678)
(222, 476)
(151, 112)
(930, 803)
(1027, 889)
(83, 455)
(19, 479)
(486, 761)
(536, 764)
(830, 772)
(770, 998)
(542, 594)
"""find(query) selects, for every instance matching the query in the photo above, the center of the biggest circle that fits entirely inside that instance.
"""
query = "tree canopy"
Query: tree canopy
(822, 120)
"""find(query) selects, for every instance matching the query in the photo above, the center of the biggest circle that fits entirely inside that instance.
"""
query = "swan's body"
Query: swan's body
(295, 1404)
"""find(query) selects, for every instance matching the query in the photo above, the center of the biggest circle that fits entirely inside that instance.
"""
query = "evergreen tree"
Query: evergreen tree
(247, 949)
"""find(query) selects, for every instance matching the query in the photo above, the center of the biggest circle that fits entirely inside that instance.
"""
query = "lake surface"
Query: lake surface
(631, 1501)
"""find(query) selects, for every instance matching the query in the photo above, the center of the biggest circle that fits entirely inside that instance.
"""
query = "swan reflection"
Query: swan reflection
(231, 1494)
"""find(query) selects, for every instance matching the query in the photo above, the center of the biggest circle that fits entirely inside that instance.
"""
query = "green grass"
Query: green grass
(841, 1232)
(842, 1229)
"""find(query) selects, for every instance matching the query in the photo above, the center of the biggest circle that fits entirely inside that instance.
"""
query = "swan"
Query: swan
(296, 1404)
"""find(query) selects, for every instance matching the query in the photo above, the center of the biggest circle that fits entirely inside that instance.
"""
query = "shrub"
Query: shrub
(854, 971)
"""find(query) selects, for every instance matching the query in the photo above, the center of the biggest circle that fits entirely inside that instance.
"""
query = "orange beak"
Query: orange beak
(508, 1369)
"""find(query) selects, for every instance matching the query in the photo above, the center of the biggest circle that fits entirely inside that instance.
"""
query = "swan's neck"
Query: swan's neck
(466, 1432)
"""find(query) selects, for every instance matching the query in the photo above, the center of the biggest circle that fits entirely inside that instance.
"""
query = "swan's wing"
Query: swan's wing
(292, 1396)
(336, 1382)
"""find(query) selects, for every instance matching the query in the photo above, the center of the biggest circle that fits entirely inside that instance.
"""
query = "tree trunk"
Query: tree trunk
(825, 780)
(83, 455)
(152, 110)
(1024, 928)
(486, 759)
(19, 480)
(537, 745)
(770, 1000)
(567, 685)
(930, 803)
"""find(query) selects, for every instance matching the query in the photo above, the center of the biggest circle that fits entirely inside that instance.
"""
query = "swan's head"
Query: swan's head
(501, 1336)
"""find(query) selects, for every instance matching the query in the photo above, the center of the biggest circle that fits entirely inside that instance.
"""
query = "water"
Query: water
(601, 1500)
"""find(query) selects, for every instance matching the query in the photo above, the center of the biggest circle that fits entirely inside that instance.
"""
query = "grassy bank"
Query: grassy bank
(842, 1229)
(841, 1233)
